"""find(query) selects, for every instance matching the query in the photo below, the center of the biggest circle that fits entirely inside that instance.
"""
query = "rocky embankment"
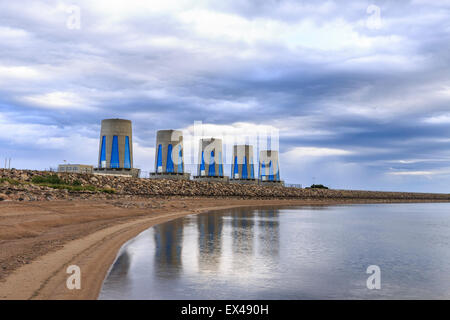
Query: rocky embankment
(26, 185)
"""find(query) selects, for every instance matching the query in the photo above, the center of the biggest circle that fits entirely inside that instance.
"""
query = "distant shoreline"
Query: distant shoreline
(39, 240)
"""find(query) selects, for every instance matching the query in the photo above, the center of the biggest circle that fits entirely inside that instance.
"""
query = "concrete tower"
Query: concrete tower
(115, 154)
(242, 168)
(169, 163)
(210, 161)
(269, 168)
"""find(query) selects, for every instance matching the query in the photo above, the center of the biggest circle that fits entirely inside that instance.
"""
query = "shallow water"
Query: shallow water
(289, 253)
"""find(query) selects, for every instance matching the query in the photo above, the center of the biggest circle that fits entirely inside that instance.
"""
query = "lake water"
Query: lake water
(289, 253)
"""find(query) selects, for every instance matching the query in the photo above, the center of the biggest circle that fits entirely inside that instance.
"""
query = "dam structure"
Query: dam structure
(210, 161)
(242, 167)
(169, 163)
(115, 155)
(269, 168)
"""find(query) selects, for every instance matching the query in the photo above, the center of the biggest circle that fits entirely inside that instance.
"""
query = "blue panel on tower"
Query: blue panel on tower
(169, 166)
(126, 161)
(102, 163)
(212, 165)
(244, 169)
(115, 153)
(180, 159)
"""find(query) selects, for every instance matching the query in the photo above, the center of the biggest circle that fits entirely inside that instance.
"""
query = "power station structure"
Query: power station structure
(210, 161)
(169, 163)
(269, 168)
(115, 157)
(242, 168)
(116, 148)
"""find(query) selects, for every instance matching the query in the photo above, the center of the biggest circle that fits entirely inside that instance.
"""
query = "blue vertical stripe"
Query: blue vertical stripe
(127, 158)
(103, 153)
(270, 171)
(180, 159)
(115, 153)
(220, 165)
(262, 172)
(212, 165)
(169, 165)
(202, 164)
(244, 169)
(159, 161)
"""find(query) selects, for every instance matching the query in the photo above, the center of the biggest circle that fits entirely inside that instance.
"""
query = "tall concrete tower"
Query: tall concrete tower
(269, 168)
(169, 163)
(210, 161)
(115, 154)
(242, 168)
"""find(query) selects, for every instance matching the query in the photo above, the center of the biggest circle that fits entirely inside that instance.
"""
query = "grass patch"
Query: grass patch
(78, 188)
(55, 182)
(11, 181)
(50, 179)
(106, 190)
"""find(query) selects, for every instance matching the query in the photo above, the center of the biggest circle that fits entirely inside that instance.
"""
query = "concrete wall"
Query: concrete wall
(120, 128)
(242, 151)
(164, 138)
(206, 146)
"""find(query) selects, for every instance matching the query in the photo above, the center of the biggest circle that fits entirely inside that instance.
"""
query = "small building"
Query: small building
(75, 168)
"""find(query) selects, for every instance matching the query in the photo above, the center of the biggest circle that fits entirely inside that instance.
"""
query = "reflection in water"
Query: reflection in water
(120, 270)
(295, 253)
(168, 245)
(209, 241)
(269, 234)
(242, 234)
(122, 265)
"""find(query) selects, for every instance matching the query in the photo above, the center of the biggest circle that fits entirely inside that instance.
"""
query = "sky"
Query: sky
(357, 91)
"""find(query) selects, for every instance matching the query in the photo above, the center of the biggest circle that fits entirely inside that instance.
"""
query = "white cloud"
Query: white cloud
(303, 152)
(441, 119)
(58, 100)
(8, 33)
(412, 173)
(20, 72)
(420, 172)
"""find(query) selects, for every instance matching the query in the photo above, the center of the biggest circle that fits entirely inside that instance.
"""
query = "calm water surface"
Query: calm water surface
(289, 253)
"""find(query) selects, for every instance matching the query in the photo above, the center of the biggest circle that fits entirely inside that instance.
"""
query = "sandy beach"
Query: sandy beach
(39, 240)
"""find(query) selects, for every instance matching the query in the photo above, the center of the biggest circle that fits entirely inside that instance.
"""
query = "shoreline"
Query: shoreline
(94, 250)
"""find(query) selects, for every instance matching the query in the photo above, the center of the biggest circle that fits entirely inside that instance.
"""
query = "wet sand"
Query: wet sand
(39, 240)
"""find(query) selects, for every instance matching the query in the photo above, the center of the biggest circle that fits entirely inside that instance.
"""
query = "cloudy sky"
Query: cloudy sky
(359, 91)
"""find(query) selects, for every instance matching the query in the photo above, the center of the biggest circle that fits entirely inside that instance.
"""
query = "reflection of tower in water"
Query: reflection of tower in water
(168, 244)
(242, 238)
(209, 240)
(121, 265)
(269, 233)
(118, 278)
